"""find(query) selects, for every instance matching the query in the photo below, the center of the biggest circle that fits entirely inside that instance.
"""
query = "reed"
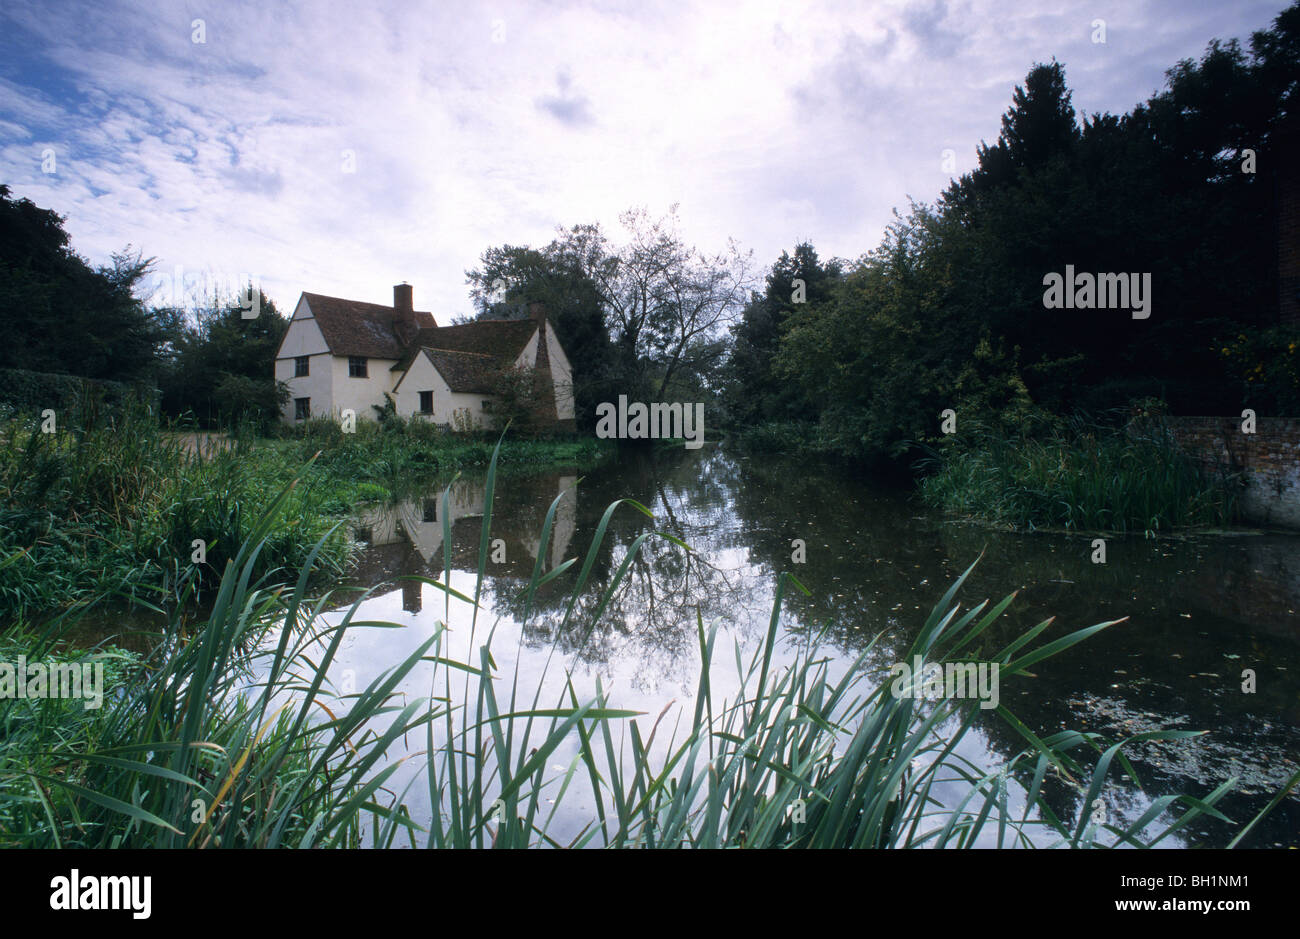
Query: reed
(1087, 477)
(231, 735)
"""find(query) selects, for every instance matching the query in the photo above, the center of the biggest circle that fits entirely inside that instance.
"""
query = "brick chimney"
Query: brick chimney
(405, 325)
(544, 381)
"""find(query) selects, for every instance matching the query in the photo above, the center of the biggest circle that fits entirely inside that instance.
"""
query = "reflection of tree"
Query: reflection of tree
(877, 562)
(652, 615)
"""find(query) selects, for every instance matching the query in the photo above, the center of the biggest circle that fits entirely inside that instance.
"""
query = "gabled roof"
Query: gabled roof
(503, 339)
(496, 342)
(465, 371)
(351, 327)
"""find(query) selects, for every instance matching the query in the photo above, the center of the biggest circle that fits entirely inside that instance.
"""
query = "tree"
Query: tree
(223, 366)
(59, 314)
(666, 304)
(515, 400)
(754, 392)
(948, 311)
(1039, 126)
(639, 318)
(512, 277)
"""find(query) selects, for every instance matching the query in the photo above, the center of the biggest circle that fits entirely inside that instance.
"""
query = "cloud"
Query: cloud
(339, 148)
(567, 107)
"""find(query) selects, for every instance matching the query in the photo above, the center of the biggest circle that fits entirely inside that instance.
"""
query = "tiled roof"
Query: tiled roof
(498, 342)
(503, 339)
(465, 371)
(469, 356)
(351, 327)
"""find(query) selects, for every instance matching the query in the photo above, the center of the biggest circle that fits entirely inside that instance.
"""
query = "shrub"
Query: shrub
(871, 767)
(75, 401)
(1085, 476)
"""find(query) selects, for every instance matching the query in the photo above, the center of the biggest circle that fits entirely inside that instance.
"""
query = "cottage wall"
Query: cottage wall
(562, 372)
(305, 338)
(422, 376)
(360, 393)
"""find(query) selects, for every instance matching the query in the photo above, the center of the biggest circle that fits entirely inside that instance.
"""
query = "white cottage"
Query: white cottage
(345, 354)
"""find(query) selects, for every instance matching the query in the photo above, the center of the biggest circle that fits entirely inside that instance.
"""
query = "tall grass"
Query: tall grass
(1086, 476)
(400, 451)
(118, 507)
(232, 736)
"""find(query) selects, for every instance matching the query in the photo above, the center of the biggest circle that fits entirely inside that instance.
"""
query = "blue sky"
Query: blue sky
(341, 148)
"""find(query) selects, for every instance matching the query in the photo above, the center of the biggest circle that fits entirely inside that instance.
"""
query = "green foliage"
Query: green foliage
(1268, 368)
(1076, 475)
(242, 397)
(947, 312)
(74, 400)
(402, 455)
(517, 401)
(59, 314)
(755, 392)
(222, 365)
(510, 278)
(780, 437)
(284, 761)
(646, 317)
(114, 509)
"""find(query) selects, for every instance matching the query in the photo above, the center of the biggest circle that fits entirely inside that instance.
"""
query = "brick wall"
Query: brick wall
(1269, 459)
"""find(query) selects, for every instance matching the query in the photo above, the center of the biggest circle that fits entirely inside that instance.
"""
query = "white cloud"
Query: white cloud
(771, 122)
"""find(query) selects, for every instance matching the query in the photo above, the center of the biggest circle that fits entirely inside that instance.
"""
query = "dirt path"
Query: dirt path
(204, 442)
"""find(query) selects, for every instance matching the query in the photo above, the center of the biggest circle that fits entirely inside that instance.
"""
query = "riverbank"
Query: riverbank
(128, 513)
(1078, 476)
(863, 766)
(1070, 475)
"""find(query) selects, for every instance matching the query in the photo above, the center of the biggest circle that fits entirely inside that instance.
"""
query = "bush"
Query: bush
(76, 401)
(779, 437)
(1268, 367)
(1085, 477)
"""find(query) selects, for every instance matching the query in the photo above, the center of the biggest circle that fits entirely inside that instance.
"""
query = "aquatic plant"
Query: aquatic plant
(1088, 477)
(231, 735)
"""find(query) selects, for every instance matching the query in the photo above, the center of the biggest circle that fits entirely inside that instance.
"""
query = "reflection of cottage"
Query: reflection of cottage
(418, 523)
(345, 354)
(561, 529)
(418, 520)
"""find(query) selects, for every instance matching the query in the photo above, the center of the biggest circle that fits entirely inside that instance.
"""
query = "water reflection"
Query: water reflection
(1200, 609)
(407, 537)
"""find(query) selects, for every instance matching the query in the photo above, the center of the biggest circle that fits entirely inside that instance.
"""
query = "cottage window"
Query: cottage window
(357, 367)
(301, 409)
(426, 402)
(301, 366)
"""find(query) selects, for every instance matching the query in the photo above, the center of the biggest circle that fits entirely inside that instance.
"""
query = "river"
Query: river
(1201, 609)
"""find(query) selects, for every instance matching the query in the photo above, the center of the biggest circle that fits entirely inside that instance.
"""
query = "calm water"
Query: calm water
(1201, 610)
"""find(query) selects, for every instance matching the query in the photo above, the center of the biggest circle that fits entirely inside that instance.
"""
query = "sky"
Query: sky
(341, 148)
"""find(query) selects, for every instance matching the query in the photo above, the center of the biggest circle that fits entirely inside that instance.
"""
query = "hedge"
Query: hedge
(71, 397)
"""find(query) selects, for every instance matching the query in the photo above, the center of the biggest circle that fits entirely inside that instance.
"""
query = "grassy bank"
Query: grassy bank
(1079, 475)
(194, 753)
(120, 511)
